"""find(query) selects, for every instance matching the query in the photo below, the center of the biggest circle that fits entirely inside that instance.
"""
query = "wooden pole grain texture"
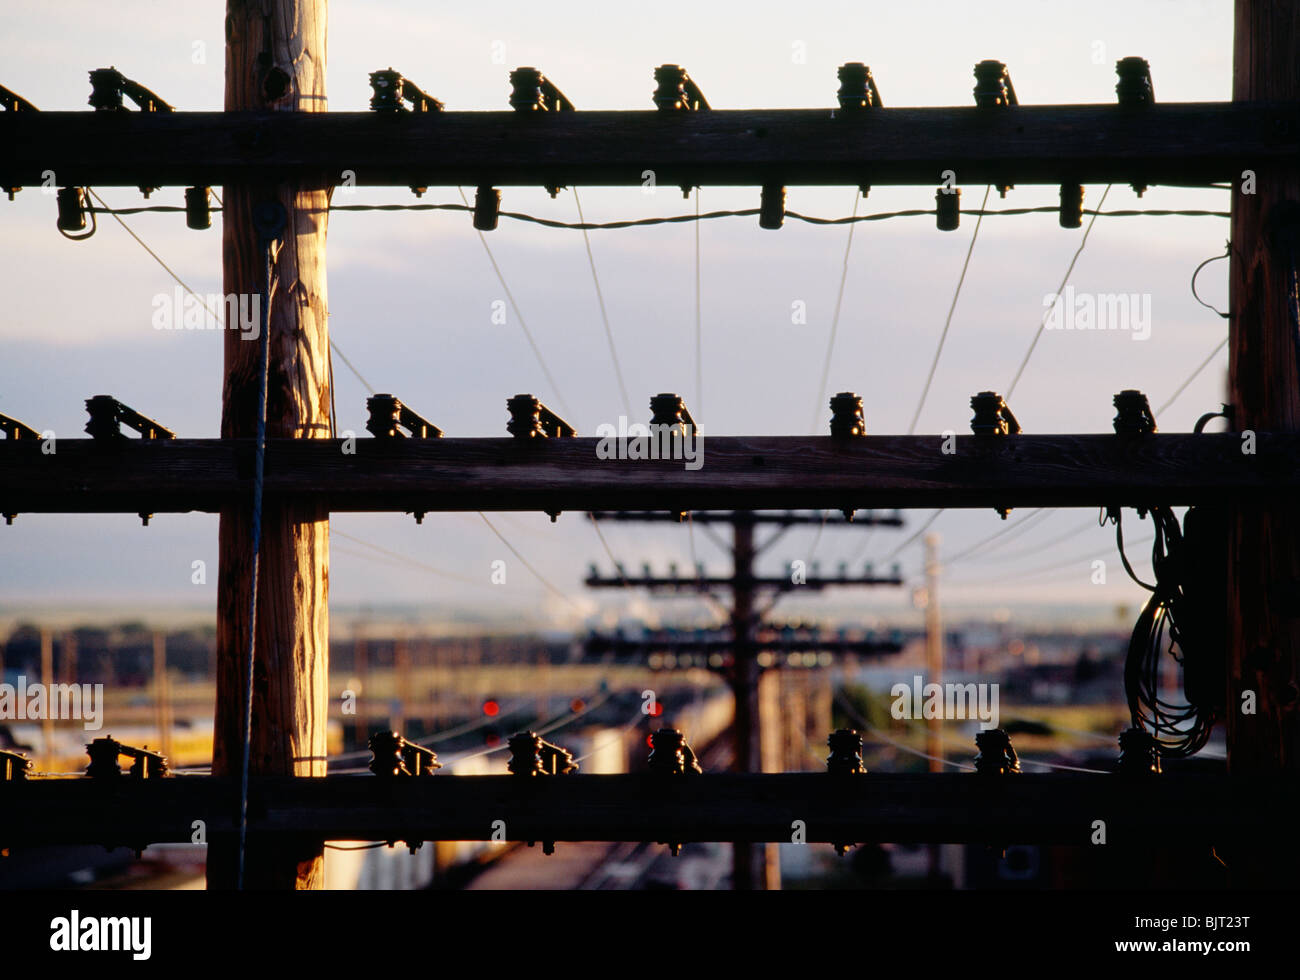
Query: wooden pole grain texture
(275, 61)
(1264, 382)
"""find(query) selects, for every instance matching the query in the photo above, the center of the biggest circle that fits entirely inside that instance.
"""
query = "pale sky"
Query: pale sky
(411, 294)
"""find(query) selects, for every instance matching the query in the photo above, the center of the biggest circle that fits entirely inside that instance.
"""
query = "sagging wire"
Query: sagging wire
(590, 703)
(1193, 376)
(915, 535)
(604, 314)
(618, 737)
(1038, 572)
(524, 561)
(835, 319)
(699, 330)
(868, 729)
(1021, 525)
(1116, 518)
(1180, 728)
(429, 740)
(344, 358)
(154, 255)
(618, 565)
(1064, 279)
(396, 557)
(1074, 532)
(523, 324)
(943, 337)
(742, 213)
(1213, 258)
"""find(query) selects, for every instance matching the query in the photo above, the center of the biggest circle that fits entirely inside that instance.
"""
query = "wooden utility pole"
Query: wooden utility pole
(162, 694)
(401, 682)
(755, 865)
(47, 679)
(68, 657)
(757, 725)
(1264, 381)
(275, 61)
(933, 648)
(360, 662)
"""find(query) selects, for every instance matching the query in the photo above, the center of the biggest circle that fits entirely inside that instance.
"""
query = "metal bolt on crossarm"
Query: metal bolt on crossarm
(669, 409)
(845, 760)
(857, 92)
(531, 91)
(992, 416)
(993, 89)
(388, 416)
(14, 766)
(857, 88)
(1133, 414)
(1135, 90)
(103, 754)
(996, 756)
(386, 89)
(530, 419)
(847, 419)
(1139, 753)
(670, 755)
(531, 755)
(1134, 87)
(846, 752)
(394, 756)
(107, 415)
(390, 92)
(675, 91)
(993, 85)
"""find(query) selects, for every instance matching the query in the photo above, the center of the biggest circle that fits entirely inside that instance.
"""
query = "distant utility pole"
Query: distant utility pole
(933, 647)
(275, 61)
(162, 694)
(756, 867)
(934, 668)
(1264, 381)
(47, 679)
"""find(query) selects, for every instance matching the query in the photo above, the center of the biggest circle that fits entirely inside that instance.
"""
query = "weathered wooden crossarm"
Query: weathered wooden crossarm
(952, 808)
(776, 472)
(703, 583)
(1153, 144)
(685, 643)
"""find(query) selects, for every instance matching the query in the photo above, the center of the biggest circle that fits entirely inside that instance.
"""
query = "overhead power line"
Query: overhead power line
(1064, 279)
(925, 390)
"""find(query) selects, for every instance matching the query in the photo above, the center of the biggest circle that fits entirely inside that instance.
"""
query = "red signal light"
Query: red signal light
(491, 708)
(657, 710)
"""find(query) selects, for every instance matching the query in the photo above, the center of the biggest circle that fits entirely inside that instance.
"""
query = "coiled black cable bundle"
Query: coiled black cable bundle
(1185, 618)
